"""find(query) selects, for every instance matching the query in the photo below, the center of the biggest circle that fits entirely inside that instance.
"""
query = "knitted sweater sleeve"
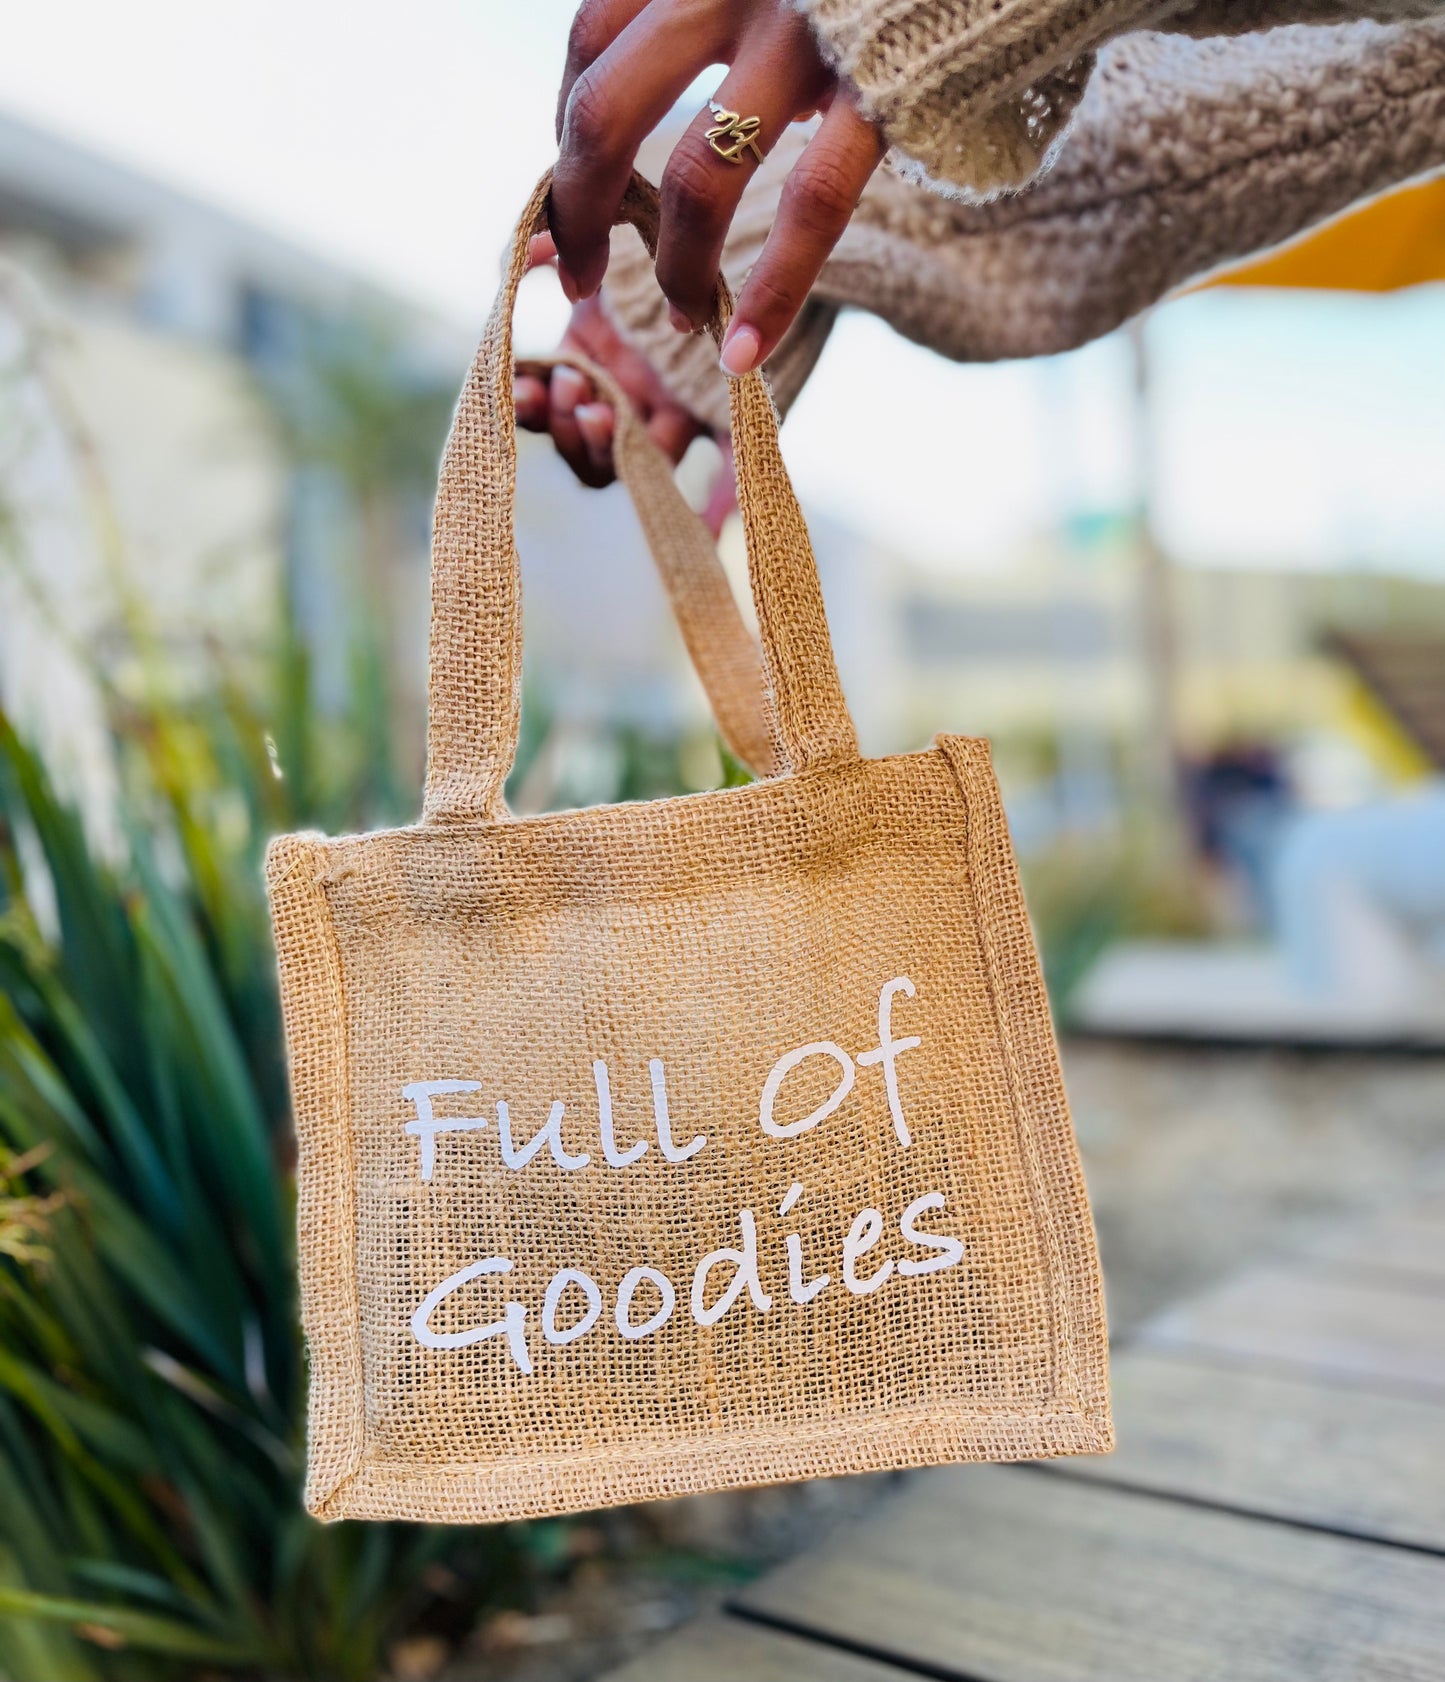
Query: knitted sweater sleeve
(975, 95)
(1185, 155)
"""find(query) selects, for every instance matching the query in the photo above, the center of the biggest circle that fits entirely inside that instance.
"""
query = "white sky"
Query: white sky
(402, 140)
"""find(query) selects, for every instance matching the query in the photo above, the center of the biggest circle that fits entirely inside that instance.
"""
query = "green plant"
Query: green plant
(355, 413)
(151, 1374)
(150, 1371)
(151, 1382)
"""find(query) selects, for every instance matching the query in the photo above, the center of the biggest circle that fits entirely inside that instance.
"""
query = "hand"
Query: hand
(582, 424)
(628, 61)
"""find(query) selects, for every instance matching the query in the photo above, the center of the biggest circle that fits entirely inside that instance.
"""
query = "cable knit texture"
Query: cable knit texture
(1186, 154)
(972, 94)
(975, 95)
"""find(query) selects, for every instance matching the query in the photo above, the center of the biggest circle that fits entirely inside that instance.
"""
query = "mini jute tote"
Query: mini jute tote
(673, 1146)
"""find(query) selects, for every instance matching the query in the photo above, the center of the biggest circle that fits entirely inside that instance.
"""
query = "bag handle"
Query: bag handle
(474, 703)
(723, 651)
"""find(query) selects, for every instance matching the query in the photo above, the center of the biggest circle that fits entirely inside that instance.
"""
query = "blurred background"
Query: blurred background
(1190, 580)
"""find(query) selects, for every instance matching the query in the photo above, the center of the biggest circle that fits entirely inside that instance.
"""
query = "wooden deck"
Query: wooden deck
(1275, 1512)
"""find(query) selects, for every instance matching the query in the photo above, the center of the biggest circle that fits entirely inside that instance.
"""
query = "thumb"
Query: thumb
(723, 498)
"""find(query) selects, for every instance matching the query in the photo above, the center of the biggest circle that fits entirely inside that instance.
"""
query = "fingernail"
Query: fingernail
(679, 321)
(568, 389)
(529, 398)
(594, 420)
(569, 286)
(741, 349)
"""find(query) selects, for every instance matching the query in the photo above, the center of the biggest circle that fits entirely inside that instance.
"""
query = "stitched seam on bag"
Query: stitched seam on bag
(435, 828)
(962, 755)
(354, 1368)
(1066, 1383)
(621, 1473)
(307, 989)
(934, 1416)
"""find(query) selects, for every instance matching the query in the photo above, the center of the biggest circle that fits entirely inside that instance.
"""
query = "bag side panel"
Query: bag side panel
(1026, 1035)
(313, 1008)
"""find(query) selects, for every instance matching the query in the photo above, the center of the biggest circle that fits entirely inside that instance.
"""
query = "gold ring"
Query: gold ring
(734, 135)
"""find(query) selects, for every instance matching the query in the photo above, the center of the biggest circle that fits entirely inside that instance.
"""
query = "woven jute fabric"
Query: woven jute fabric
(831, 1216)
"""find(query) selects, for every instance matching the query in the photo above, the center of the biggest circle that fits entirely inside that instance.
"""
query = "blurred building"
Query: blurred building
(1254, 648)
(199, 412)
(1043, 653)
(1045, 656)
(154, 357)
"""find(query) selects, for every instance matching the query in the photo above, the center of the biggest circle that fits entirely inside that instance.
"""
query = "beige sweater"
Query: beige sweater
(974, 94)
(1185, 151)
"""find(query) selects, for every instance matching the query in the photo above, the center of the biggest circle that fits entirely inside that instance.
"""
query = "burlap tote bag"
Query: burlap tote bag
(673, 1146)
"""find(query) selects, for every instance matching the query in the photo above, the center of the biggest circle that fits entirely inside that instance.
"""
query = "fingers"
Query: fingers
(592, 332)
(584, 431)
(583, 449)
(597, 25)
(613, 104)
(723, 499)
(595, 422)
(672, 429)
(775, 78)
(582, 425)
(541, 250)
(818, 199)
(529, 398)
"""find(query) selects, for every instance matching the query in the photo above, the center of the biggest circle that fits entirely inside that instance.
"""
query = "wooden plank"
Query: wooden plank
(723, 1649)
(1324, 1323)
(1291, 1447)
(1011, 1575)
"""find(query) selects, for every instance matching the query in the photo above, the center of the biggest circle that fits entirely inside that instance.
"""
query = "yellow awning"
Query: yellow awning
(1393, 241)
